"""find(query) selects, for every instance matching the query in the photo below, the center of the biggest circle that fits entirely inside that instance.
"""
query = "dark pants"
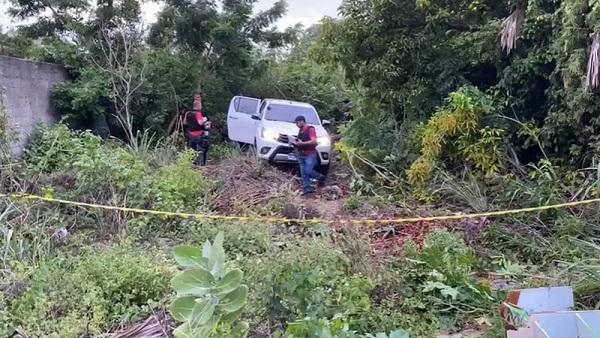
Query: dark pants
(200, 145)
(307, 171)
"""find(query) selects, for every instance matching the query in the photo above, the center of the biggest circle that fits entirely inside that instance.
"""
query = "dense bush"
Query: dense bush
(443, 270)
(458, 126)
(86, 294)
(109, 173)
(57, 147)
(437, 285)
(310, 288)
(80, 165)
(300, 76)
(179, 187)
(407, 57)
(311, 284)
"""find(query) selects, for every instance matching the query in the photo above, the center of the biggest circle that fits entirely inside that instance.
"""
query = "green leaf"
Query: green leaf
(231, 316)
(240, 330)
(206, 249)
(449, 292)
(445, 290)
(216, 260)
(234, 300)
(197, 282)
(181, 308)
(229, 282)
(201, 314)
(188, 256)
(183, 331)
(186, 331)
(218, 242)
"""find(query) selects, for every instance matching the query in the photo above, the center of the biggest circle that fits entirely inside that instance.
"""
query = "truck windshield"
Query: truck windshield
(288, 113)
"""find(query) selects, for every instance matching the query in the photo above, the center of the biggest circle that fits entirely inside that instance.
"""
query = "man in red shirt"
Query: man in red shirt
(196, 125)
(307, 154)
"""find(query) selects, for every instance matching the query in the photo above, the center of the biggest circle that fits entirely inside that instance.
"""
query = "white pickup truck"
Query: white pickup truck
(267, 125)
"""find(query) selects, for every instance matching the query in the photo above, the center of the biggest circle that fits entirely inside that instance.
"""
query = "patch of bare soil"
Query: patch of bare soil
(244, 181)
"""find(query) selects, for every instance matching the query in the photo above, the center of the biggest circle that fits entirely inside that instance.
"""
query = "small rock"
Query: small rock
(60, 235)
(332, 192)
(290, 211)
(310, 212)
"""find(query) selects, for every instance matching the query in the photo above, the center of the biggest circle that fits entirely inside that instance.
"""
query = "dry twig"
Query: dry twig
(156, 326)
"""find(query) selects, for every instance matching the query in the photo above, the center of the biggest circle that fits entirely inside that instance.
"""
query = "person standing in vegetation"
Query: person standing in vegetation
(307, 154)
(197, 125)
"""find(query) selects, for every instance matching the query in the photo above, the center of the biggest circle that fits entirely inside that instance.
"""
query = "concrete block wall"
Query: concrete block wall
(25, 89)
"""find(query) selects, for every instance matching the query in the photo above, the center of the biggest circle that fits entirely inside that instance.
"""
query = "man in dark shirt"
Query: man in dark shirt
(307, 154)
(197, 125)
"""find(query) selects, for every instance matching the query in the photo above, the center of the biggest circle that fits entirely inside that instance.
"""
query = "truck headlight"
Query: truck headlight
(323, 140)
(269, 134)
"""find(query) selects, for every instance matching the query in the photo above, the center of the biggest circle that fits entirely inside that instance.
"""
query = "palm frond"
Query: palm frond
(592, 80)
(511, 29)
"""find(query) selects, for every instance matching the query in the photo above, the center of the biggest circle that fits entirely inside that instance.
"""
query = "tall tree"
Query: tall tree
(222, 38)
(95, 43)
(120, 60)
(408, 55)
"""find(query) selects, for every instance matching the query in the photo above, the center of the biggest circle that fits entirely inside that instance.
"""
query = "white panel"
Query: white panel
(539, 332)
(546, 299)
(557, 325)
(588, 324)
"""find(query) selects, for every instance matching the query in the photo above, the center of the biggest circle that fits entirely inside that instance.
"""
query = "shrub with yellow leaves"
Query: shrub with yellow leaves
(455, 132)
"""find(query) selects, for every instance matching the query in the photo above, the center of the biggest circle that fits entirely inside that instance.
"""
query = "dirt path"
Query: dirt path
(331, 210)
(245, 184)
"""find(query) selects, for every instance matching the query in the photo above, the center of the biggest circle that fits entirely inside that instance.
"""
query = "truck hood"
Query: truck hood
(288, 128)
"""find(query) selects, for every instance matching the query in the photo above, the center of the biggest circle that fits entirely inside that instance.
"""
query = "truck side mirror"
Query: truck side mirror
(255, 117)
(326, 123)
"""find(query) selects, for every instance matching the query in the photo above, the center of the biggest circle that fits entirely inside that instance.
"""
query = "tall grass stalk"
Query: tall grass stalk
(465, 190)
(584, 274)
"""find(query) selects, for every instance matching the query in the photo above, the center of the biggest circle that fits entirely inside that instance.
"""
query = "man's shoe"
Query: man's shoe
(321, 181)
(306, 193)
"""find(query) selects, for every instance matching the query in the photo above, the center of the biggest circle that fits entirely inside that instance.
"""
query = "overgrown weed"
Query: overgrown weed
(27, 238)
(584, 274)
(74, 295)
(226, 151)
(465, 189)
(316, 279)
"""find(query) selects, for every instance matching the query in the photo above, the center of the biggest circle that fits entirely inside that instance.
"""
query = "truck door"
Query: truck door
(240, 125)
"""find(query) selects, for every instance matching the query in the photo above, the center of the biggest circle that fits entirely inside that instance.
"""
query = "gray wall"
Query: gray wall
(26, 87)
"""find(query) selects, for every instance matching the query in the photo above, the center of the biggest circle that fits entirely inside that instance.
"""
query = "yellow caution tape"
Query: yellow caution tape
(305, 221)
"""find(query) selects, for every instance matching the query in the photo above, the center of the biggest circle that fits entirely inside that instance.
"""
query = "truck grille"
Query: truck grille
(283, 138)
(285, 150)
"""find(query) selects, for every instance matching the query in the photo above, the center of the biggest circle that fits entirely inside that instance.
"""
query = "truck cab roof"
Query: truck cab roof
(287, 102)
